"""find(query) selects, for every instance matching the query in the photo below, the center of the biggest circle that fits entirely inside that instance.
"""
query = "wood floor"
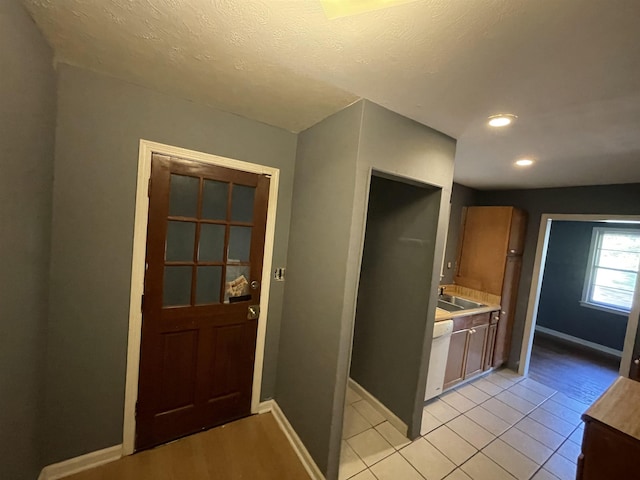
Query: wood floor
(579, 373)
(253, 448)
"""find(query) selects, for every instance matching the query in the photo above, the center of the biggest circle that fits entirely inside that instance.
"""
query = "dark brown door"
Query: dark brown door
(205, 243)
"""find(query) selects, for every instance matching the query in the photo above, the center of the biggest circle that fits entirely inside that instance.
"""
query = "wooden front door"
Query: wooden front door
(205, 243)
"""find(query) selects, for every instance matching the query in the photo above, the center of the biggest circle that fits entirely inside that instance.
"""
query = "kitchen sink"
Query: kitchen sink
(454, 304)
(449, 307)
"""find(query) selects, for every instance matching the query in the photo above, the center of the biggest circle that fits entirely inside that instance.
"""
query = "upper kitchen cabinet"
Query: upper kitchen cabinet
(490, 260)
(489, 236)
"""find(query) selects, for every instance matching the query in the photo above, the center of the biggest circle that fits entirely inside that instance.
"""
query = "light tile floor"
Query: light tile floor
(500, 426)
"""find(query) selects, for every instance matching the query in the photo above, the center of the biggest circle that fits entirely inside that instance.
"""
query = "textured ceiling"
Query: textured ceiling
(569, 69)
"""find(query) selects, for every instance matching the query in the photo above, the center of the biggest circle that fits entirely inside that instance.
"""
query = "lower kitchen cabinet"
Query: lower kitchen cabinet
(471, 347)
(454, 372)
(491, 341)
(476, 350)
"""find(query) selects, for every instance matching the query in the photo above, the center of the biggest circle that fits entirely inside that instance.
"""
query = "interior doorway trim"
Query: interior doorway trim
(147, 148)
(536, 285)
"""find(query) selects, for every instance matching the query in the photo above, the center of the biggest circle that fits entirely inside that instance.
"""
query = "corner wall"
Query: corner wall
(27, 125)
(461, 197)
(100, 123)
(333, 169)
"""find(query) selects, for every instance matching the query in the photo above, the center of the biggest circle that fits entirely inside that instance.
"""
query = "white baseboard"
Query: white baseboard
(302, 452)
(264, 407)
(380, 407)
(63, 469)
(579, 341)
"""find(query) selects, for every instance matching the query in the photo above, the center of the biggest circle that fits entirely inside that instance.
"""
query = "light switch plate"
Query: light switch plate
(278, 274)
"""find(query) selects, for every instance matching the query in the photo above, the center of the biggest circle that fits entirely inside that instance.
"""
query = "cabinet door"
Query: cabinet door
(483, 248)
(454, 372)
(477, 345)
(491, 344)
(508, 302)
(518, 232)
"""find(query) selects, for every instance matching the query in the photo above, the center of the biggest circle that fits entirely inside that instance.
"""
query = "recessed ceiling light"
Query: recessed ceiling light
(501, 120)
(524, 162)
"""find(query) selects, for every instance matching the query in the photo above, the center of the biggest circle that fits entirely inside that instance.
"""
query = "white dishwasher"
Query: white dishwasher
(438, 359)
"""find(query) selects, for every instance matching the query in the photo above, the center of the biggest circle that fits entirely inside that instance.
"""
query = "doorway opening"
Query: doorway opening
(583, 306)
(396, 279)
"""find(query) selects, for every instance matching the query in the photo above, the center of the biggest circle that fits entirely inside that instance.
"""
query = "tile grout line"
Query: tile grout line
(554, 451)
(481, 450)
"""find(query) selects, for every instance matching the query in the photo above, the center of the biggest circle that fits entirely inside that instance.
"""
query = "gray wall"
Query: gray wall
(563, 282)
(602, 199)
(100, 123)
(461, 196)
(402, 148)
(27, 125)
(392, 306)
(314, 298)
(333, 169)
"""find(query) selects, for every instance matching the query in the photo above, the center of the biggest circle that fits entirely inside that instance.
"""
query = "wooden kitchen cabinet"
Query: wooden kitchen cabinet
(454, 371)
(476, 350)
(611, 440)
(490, 260)
(468, 349)
(491, 341)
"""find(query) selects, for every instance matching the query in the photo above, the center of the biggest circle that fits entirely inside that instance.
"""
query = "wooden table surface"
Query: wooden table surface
(619, 407)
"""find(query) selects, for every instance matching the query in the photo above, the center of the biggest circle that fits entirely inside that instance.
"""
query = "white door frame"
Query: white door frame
(536, 285)
(147, 148)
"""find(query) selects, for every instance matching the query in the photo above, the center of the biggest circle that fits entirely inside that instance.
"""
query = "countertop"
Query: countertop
(491, 302)
(619, 407)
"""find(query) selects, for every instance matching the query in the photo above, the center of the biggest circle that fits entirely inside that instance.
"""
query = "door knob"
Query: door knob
(253, 312)
(637, 361)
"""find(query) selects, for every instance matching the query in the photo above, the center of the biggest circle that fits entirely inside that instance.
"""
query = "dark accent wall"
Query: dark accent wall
(461, 196)
(27, 127)
(602, 199)
(100, 123)
(392, 307)
(563, 281)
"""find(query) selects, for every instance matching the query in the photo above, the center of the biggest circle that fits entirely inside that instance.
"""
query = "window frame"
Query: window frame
(587, 289)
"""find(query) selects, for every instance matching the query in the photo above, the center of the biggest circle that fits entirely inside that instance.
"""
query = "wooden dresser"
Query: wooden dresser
(611, 442)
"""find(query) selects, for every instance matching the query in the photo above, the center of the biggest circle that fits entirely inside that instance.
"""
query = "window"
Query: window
(612, 269)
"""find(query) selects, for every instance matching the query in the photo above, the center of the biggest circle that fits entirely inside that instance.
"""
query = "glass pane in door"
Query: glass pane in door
(239, 244)
(181, 237)
(183, 196)
(208, 285)
(242, 203)
(211, 245)
(237, 286)
(215, 197)
(177, 286)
